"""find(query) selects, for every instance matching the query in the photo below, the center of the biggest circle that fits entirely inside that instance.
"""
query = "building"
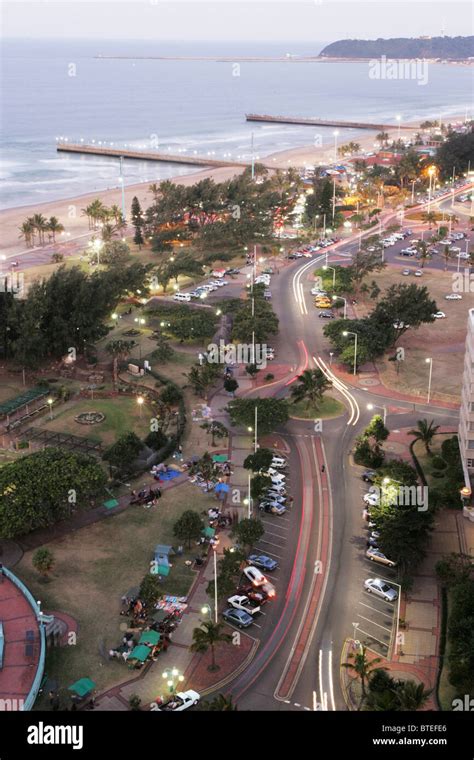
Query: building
(466, 421)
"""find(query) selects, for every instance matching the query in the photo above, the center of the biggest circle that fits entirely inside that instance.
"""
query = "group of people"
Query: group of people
(146, 496)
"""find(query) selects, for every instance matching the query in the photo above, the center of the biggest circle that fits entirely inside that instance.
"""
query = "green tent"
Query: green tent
(160, 616)
(208, 532)
(82, 687)
(219, 458)
(160, 570)
(150, 637)
(140, 653)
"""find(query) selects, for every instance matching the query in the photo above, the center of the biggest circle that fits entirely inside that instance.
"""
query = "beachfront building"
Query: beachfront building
(466, 421)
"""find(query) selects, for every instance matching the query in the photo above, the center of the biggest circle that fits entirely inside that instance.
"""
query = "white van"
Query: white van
(182, 297)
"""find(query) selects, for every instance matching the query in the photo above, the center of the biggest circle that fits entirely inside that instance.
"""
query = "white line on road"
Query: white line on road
(372, 622)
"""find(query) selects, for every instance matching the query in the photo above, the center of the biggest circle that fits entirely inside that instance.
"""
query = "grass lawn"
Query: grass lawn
(426, 460)
(121, 415)
(8, 389)
(330, 407)
(94, 567)
(446, 691)
(443, 339)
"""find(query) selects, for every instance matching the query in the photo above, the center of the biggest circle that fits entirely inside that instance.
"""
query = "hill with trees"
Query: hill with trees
(445, 48)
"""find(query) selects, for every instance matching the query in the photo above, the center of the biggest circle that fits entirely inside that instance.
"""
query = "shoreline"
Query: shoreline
(68, 209)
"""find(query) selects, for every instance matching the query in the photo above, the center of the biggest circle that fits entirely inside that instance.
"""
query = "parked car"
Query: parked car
(369, 476)
(277, 496)
(240, 618)
(181, 297)
(372, 499)
(239, 602)
(279, 462)
(254, 575)
(439, 315)
(405, 272)
(375, 555)
(179, 702)
(262, 561)
(418, 273)
(317, 292)
(326, 315)
(272, 507)
(380, 588)
(453, 297)
(256, 595)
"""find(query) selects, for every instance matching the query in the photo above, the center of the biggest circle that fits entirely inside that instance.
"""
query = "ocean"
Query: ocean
(59, 89)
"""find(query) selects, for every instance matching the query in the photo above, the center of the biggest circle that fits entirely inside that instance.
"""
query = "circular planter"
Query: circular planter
(89, 418)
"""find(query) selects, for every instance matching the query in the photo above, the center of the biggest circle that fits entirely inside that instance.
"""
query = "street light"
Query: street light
(140, 402)
(326, 266)
(430, 362)
(376, 406)
(335, 298)
(345, 334)
(172, 677)
(431, 173)
(50, 402)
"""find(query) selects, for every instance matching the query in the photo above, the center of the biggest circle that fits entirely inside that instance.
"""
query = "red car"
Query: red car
(257, 596)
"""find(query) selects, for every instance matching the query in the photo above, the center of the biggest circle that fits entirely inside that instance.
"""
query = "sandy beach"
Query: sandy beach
(69, 210)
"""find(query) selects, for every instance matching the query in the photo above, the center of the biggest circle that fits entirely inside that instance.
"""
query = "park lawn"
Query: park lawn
(330, 407)
(9, 389)
(446, 691)
(121, 416)
(443, 340)
(426, 460)
(94, 567)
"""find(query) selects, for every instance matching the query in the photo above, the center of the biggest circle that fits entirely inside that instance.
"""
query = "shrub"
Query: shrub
(438, 463)
(156, 440)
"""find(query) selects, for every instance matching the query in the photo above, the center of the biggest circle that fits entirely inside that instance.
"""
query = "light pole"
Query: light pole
(122, 182)
(431, 173)
(50, 402)
(331, 354)
(326, 266)
(172, 677)
(345, 334)
(140, 402)
(376, 406)
(335, 298)
(398, 117)
(214, 549)
(430, 362)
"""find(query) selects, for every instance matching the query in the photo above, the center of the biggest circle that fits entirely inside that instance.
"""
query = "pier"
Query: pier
(98, 150)
(320, 122)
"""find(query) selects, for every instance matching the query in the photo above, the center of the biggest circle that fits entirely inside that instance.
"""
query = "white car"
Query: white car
(243, 603)
(372, 499)
(275, 473)
(181, 297)
(380, 588)
(454, 297)
(375, 555)
(259, 580)
(178, 702)
(318, 292)
(279, 463)
(275, 496)
(418, 273)
(439, 315)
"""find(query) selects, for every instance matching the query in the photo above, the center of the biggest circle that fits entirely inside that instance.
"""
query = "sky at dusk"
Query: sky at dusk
(264, 20)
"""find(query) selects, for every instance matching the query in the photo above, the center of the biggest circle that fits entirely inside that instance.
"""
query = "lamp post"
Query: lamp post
(431, 173)
(345, 334)
(430, 362)
(335, 298)
(50, 402)
(326, 266)
(172, 677)
(376, 406)
(140, 402)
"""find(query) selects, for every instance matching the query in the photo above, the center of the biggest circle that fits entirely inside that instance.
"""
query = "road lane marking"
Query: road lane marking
(389, 630)
(382, 643)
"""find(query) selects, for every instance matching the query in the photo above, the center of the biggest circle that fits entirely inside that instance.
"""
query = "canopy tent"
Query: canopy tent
(222, 488)
(150, 637)
(160, 569)
(208, 532)
(160, 616)
(218, 458)
(82, 687)
(140, 653)
(164, 549)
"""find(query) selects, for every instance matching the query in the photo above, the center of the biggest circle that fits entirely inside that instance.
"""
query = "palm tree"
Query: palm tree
(40, 224)
(422, 250)
(382, 138)
(424, 432)
(54, 226)
(220, 703)
(155, 191)
(411, 696)
(27, 231)
(312, 386)
(88, 212)
(363, 667)
(116, 213)
(447, 256)
(430, 217)
(118, 348)
(206, 637)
